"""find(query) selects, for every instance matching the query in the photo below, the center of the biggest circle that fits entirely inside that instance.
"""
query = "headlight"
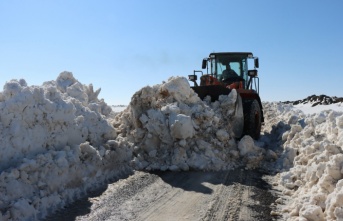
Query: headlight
(192, 77)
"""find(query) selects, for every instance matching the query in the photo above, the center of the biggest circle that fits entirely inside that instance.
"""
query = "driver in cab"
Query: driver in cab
(227, 74)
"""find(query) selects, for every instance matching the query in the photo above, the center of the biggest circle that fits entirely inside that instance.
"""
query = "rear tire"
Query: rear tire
(252, 118)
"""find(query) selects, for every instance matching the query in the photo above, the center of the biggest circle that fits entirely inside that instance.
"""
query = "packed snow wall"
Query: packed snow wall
(311, 162)
(56, 143)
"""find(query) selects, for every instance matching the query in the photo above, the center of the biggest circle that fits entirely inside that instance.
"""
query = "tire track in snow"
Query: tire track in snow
(193, 195)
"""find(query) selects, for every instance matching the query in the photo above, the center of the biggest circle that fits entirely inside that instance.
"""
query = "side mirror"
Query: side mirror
(252, 73)
(204, 63)
(256, 63)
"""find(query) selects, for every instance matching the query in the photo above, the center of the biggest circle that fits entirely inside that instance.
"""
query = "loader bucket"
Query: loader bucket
(214, 91)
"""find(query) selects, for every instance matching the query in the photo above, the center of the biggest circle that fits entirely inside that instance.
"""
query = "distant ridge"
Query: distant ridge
(317, 100)
(121, 105)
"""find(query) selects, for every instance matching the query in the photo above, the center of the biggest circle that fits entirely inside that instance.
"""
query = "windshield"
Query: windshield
(222, 63)
(224, 67)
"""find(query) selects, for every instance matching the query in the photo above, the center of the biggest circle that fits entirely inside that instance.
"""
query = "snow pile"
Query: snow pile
(312, 161)
(317, 166)
(60, 141)
(56, 143)
(171, 128)
(280, 118)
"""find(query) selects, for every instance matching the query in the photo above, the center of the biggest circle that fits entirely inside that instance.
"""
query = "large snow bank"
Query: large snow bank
(312, 162)
(171, 128)
(56, 143)
(59, 140)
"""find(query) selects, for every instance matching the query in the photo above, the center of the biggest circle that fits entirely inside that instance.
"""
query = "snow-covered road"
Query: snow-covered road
(226, 195)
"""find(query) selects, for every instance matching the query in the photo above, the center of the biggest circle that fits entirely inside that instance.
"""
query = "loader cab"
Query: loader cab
(240, 62)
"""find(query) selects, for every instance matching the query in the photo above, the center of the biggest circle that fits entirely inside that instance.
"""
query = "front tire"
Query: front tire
(252, 118)
(237, 120)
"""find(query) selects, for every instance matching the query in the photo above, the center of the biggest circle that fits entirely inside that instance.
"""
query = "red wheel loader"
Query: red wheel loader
(227, 71)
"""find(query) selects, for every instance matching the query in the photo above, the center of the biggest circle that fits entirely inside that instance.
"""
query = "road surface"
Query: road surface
(227, 195)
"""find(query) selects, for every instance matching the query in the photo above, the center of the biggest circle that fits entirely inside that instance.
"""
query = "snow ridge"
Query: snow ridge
(311, 162)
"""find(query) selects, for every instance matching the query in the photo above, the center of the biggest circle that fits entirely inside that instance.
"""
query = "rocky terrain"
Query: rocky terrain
(315, 100)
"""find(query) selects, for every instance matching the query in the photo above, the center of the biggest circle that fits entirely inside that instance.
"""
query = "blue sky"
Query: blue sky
(122, 46)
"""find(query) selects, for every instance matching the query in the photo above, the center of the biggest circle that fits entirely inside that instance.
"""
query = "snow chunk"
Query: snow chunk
(179, 88)
(312, 213)
(181, 126)
(251, 153)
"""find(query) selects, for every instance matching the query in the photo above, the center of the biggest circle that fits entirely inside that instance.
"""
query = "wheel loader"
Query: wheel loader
(227, 71)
